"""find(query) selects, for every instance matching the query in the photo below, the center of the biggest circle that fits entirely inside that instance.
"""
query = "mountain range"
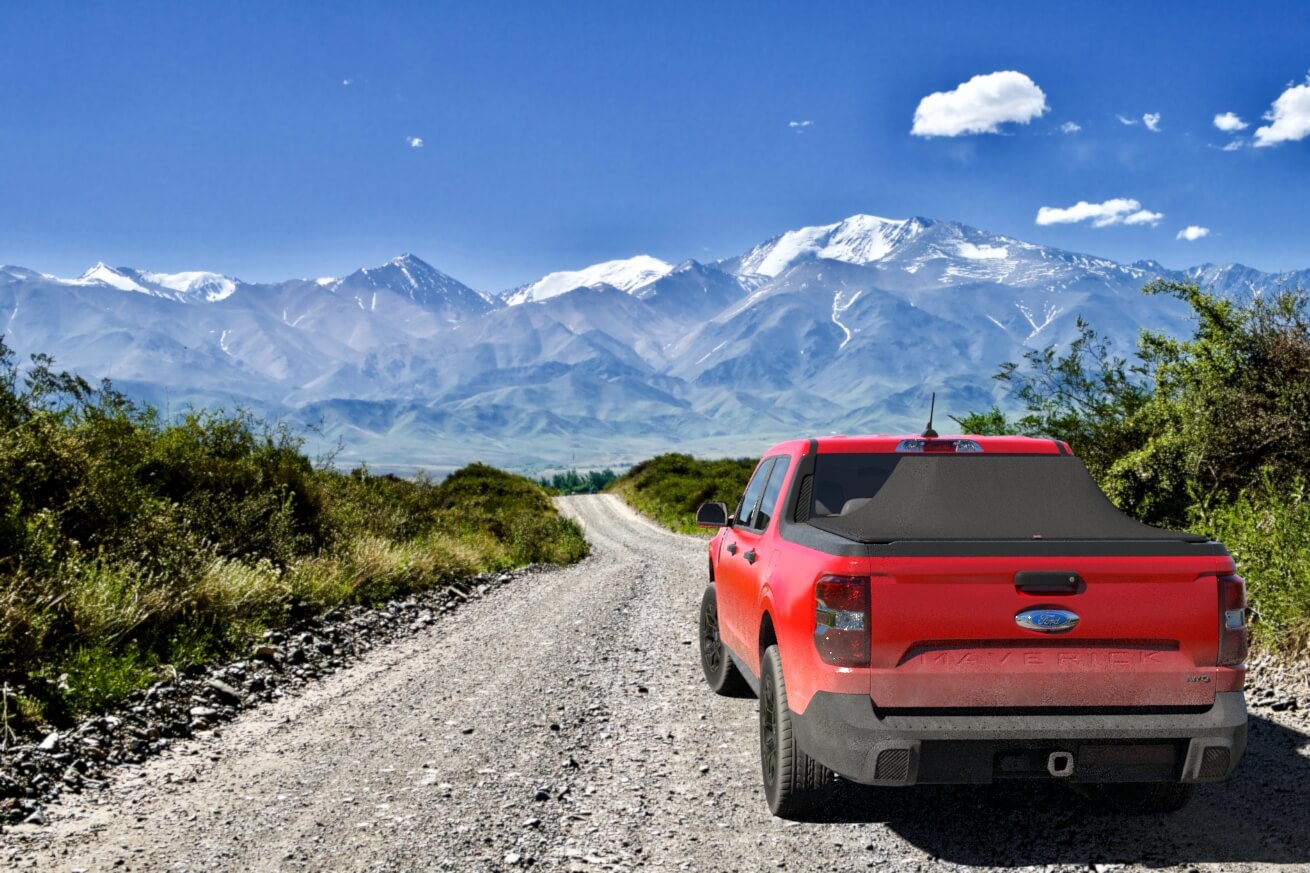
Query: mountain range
(844, 327)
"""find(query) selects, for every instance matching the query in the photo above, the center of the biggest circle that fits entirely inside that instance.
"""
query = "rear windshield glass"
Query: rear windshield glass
(844, 482)
(878, 498)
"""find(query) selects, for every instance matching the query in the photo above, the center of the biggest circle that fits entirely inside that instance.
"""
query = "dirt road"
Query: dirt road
(562, 723)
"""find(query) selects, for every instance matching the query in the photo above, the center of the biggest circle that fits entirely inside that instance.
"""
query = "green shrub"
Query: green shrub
(95, 676)
(669, 488)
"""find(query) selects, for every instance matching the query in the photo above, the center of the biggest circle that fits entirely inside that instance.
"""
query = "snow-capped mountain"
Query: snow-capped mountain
(836, 328)
(192, 287)
(625, 275)
(860, 239)
(422, 283)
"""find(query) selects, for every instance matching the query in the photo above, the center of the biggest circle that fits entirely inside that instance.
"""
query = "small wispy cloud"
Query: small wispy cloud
(799, 126)
(1233, 146)
(1120, 210)
(1193, 232)
(1289, 117)
(347, 82)
(1070, 127)
(980, 105)
(1228, 122)
(415, 142)
(1144, 216)
(1152, 121)
(1123, 119)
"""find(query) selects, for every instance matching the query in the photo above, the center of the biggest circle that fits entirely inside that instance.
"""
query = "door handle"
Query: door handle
(732, 548)
(750, 556)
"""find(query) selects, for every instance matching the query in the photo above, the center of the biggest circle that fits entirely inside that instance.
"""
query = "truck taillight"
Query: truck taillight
(1232, 621)
(841, 620)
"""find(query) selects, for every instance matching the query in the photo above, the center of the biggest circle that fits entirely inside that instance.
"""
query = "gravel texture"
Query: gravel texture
(560, 722)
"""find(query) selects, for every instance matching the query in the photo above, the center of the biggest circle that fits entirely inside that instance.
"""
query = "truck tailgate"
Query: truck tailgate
(945, 635)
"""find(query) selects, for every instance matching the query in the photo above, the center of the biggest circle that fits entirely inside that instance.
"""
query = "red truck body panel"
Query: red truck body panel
(943, 635)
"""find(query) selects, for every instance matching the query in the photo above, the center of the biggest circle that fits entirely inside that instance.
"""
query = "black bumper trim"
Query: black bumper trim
(842, 732)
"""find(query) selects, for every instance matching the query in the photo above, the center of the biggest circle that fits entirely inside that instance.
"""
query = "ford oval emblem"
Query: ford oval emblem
(1047, 620)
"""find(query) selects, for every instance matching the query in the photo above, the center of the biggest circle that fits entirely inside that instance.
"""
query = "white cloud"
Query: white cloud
(1152, 121)
(1070, 127)
(1289, 117)
(1144, 216)
(1120, 210)
(1233, 146)
(415, 142)
(980, 105)
(1228, 122)
(347, 82)
(1125, 120)
(799, 126)
(1192, 233)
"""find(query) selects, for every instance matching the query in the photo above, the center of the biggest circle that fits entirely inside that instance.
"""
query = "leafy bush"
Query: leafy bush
(669, 488)
(128, 542)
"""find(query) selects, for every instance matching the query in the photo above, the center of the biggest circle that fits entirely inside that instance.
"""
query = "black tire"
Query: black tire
(721, 674)
(794, 783)
(1139, 798)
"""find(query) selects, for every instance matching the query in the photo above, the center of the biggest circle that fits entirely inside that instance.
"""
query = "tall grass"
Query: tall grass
(1267, 530)
(130, 543)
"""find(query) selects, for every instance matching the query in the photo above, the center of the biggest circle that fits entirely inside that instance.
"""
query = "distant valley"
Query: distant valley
(838, 328)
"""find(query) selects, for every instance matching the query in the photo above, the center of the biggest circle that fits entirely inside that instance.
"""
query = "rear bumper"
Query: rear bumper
(843, 732)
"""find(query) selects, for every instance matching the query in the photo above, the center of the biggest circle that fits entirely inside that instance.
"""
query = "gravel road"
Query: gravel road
(561, 722)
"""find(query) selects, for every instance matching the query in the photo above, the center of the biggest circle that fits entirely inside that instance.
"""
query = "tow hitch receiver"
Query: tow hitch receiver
(1060, 764)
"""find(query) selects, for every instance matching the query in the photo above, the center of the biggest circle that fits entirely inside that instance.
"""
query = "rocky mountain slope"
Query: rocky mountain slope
(840, 327)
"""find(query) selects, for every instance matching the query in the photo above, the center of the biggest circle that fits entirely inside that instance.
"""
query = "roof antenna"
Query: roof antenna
(928, 432)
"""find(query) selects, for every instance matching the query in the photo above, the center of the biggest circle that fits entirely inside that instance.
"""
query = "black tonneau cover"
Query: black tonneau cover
(996, 497)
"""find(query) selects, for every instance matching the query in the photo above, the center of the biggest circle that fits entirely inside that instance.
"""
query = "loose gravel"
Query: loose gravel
(560, 722)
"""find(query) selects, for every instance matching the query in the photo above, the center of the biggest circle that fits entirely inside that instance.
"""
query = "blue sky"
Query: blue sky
(275, 140)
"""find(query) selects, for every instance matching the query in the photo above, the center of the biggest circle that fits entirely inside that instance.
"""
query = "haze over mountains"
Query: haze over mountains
(838, 328)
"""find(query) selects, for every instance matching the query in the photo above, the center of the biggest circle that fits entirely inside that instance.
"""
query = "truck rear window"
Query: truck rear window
(880, 498)
(844, 482)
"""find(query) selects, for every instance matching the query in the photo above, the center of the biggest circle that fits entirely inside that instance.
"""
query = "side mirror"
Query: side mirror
(712, 515)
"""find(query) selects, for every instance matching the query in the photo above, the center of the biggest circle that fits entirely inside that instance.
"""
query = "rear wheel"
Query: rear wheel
(1139, 798)
(721, 674)
(794, 783)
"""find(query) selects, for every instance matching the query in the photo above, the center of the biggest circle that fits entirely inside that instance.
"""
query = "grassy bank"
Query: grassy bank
(130, 544)
(668, 488)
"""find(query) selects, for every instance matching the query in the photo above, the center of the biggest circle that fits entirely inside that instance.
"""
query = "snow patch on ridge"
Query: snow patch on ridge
(981, 253)
(1049, 314)
(107, 275)
(193, 286)
(839, 306)
(860, 239)
(212, 287)
(627, 275)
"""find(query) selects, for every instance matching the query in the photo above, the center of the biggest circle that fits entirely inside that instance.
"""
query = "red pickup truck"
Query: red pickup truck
(969, 609)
